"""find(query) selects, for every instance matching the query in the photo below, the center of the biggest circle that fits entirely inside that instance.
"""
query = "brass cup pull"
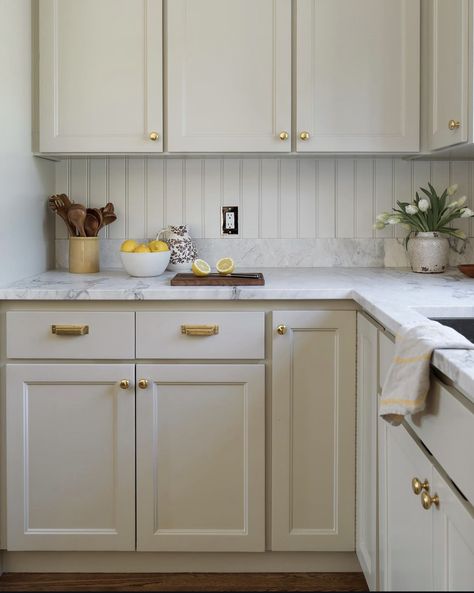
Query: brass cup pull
(427, 500)
(70, 330)
(282, 329)
(124, 384)
(143, 383)
(283, 136)
(200, 330)
(454, 124)
(154, 136)
(417, 486)
(305, 136)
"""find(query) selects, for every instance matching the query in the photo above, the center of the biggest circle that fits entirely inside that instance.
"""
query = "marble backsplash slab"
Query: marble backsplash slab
(269, 253)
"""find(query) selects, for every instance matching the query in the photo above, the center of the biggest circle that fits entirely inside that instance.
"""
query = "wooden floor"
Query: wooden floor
(184, 582)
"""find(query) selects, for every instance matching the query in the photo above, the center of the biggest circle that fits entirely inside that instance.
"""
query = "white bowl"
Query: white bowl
(143, 265)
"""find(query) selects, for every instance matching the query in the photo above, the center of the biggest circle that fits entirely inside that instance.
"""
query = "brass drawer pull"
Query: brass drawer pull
(200, 330)
(418, 486)
(70, 330)
(427, 500)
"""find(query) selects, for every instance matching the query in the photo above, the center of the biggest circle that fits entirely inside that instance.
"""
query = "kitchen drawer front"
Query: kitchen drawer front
(446, 427)
(183, 335)
(78, 335)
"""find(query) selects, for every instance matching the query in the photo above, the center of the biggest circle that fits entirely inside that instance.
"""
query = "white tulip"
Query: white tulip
(393, 220)
(466, 213)
(452, 189)
(383, 217)
(379, 226)
(411, 209)
(424, 205)
(461, 201)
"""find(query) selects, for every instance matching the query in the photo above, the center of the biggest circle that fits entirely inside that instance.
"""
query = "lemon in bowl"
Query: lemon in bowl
(142, 261)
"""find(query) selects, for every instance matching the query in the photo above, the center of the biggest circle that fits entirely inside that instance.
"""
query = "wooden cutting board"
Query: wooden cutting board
(215, 280)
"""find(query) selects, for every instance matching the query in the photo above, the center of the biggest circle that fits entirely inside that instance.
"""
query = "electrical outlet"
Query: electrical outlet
(230, 220)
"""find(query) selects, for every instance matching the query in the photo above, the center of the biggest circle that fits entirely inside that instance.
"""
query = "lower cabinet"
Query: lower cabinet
(200, 457)
(313, 430)
(70, 457)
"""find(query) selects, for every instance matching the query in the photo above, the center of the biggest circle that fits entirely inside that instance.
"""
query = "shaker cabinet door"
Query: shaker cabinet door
(229, 75)
(70, 457)
(357, 78)
(200, 458)
(313, 430)
(100, 75)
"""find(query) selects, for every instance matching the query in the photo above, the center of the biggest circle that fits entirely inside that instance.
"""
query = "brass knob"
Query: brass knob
(154, 136)
(417, 486)
(427, 500)
(284, 136)
(453, 124)
(143, 383)
(304, 135)
(124, 384)
(282, 329)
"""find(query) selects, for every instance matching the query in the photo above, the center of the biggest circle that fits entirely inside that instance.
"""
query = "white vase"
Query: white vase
(428, 253)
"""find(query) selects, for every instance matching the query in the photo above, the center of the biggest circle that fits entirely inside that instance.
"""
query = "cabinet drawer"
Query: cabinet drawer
(202, 335)
(446, 427)
(63, 334)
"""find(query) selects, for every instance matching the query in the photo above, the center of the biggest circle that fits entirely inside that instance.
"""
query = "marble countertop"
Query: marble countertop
(392, 296)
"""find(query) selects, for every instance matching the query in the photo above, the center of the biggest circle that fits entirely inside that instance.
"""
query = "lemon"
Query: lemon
(201, 267)
(158, 246)
(225, 266)
(129, 245)
(142, 249)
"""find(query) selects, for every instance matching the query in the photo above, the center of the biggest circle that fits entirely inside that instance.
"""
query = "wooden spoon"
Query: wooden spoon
(61, 204)
(93, 222)
(77, 217)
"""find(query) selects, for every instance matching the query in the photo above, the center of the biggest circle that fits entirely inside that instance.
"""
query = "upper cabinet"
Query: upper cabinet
(447, 72)
(101, 76)
(229, 75)
(357, 78)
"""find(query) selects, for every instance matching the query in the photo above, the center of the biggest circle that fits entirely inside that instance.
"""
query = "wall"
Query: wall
(293, 211)
(25, 226)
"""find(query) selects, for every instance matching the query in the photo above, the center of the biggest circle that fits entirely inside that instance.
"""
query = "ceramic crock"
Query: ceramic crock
(84, 255)
(182, 248)
(428, 253)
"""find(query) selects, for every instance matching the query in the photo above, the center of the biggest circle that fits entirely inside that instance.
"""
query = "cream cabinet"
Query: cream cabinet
(448, 67)
(229, 75)
(70, 457)
(357, 77)
(366, 447)
(100, 76)
(200, 458)
(313, 430)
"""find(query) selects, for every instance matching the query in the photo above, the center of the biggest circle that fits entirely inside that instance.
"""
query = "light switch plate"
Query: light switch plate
(230, 220)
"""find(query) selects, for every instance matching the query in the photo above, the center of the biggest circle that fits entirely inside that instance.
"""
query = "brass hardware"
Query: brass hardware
(200, 330)
(453, 124)
(427, 500)
(154, 136)
(284, 136)
(282, 329)
(124, 384)
(70, 330)
(304, 135)
(418, 486)
(143, 383)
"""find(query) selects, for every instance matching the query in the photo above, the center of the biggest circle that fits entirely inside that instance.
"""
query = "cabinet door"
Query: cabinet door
(358, 75)
(229, 75)
(366, 494)
(200, 458)
(100, 75)
(406, 531)
(70, 457)
(313, 430)
(448, 63)
(453, 538)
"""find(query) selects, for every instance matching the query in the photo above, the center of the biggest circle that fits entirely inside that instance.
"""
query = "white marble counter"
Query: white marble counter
(392, 296)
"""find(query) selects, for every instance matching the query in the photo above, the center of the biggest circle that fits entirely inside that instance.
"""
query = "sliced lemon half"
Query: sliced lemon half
(201, 267)
(225, 266)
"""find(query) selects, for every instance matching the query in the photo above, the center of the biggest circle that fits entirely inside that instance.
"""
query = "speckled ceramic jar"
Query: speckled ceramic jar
(428, 253)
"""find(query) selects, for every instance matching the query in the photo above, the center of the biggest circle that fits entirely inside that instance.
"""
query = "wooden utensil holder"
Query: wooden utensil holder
(84, 255)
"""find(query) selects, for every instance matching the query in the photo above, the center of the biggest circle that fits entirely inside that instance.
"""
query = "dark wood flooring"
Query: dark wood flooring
(333, 581)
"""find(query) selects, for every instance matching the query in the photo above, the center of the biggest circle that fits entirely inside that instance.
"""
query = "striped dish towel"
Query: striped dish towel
(408, 379)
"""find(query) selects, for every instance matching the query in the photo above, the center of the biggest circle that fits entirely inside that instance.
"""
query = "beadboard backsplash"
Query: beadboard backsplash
(281, 199)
